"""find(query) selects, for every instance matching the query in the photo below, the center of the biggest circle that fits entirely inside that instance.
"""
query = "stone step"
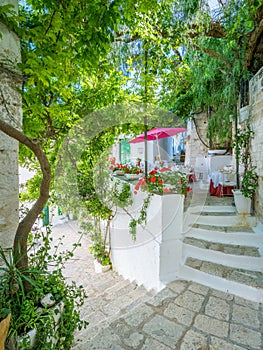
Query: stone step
(243, 236)
(114, 303)
(222, 227)
(223, 220)
(220, 209)
(233, 249)
(239, 281)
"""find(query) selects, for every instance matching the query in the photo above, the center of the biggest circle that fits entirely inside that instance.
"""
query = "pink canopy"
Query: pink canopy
(157, 133)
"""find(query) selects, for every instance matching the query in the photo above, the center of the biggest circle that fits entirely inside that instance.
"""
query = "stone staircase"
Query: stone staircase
(112, 297)
(223, 250)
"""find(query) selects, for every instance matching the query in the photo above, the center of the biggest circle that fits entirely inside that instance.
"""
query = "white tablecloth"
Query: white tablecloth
(219, 177)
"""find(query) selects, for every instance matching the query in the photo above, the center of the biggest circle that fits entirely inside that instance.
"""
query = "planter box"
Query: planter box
(31, 336)
(242, 203)
(100, 268)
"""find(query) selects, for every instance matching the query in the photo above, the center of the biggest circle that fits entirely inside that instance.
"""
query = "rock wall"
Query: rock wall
(256, 115)
(11, 112)
(194, 147)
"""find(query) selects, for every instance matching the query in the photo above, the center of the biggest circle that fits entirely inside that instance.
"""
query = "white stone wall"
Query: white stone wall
(11, 112)
(256, 114)
(154, 258)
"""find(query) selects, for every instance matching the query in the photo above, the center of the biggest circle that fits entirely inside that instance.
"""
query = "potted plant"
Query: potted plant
(247, 183)
(101, 254)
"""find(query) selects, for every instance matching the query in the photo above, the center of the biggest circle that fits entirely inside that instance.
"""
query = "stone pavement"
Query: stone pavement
(184, 315)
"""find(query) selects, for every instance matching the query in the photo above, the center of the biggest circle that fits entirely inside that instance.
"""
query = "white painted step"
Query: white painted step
(224, 220)
(212, 209)
(252, 238)
(229, 260)
(219, 283)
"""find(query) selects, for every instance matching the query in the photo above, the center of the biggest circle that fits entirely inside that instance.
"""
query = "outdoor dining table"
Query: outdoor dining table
(219, 184)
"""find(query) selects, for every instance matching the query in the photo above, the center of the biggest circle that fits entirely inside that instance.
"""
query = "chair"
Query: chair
(201, 168)
(228, 183)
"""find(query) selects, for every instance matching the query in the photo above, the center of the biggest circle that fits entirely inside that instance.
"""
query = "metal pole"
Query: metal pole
(145, 149)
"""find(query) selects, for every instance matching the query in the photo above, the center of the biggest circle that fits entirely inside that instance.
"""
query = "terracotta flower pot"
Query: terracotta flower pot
(4, 327)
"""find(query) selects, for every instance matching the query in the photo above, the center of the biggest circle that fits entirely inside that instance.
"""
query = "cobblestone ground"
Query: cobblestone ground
(184, 315)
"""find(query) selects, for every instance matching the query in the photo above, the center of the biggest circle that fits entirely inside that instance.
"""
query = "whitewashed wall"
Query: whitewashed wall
(11, 112)
(153, 259)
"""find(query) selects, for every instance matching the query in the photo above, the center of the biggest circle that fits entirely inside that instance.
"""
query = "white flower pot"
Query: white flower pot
(100, 268)
(242, 203)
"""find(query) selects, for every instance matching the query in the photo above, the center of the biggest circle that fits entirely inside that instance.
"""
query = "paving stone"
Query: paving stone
(137, 302)
(194, 263)
(245, 315)
(246, 277)
(190, 300)
(162, 297)
(245, 336)
(210, 325)
(105, 340)
(179, 314)
(245, 302)
(134, 340)
(217, 308)
(198, 288)
(151, 344)
(95, 317)
(219, 344)
(222, 295)
(193, 341)
(138, 315)
(163, 330)
(111, 309)
(178, 286)
(212, 269)
(91, 331)
(120, 328)
(196, 242)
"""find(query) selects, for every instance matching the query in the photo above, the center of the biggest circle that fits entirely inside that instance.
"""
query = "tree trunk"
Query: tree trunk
(24, 227)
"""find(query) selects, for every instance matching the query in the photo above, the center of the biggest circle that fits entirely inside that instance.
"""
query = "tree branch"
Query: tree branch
(213, 54)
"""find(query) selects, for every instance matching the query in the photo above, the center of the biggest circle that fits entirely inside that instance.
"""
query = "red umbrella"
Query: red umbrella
(157, 133)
